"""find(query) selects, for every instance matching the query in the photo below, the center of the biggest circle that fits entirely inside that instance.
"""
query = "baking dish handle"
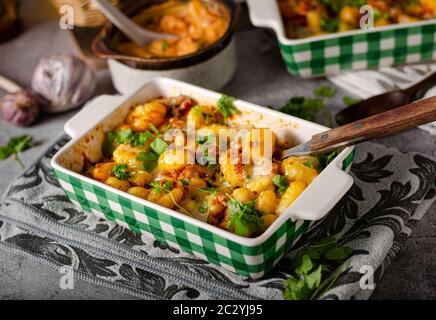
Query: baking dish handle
(265, 14)
(323, 193)
(93, 112)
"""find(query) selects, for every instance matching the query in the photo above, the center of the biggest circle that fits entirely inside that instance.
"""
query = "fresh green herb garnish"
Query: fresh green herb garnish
(226, 106)
(185, 182)
(165, 45)
(324, 91)
(140, 138)
(120, 171)
(303, 108)
(203, 207)
(156, 186)
(349, 101)
(313, 269)
(159, 146)
(149, 160)
(211, 167)
(208, 189)
(154, 129)
(281, 182)
(325, 160)
(245, 219)
(329, 25)
(168, 186)
(15, 146)
(308, 164)
(114, 138)
(337, 5)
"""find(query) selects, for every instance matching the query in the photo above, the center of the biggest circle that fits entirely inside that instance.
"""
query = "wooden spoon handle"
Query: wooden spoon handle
(389, 122)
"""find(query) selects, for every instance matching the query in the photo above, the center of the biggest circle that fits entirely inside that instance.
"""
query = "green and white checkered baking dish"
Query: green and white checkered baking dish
(353, 50)
(252, 257)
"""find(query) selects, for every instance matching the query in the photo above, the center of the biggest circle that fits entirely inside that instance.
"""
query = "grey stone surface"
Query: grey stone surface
(261, 78)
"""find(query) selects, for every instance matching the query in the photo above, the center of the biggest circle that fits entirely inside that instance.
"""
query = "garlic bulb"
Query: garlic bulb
(65, 81)
(21, 108)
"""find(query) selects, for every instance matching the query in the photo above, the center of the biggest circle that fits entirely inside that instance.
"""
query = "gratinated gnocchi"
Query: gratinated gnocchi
(151, 156)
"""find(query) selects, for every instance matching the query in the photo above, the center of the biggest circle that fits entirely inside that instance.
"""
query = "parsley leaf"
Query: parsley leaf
(208, 189)
(159, 146)
(308, 164)
(325, 160)
(149, 160)
(168, 186)
(281, 182)
(203, 207)
(316, 267)
(303, 108)
(114, 138)
(15, 146)
(349, 101)
(120, 171)
(324, 91)
(123, 136)
(226, 107)
(185, 182)
(329, 25)
(245, 219)
(140, 138)
(156, 186)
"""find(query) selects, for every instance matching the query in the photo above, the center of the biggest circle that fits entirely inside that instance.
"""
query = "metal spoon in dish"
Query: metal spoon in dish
(385, 101)
(133, 31)
(383, 124)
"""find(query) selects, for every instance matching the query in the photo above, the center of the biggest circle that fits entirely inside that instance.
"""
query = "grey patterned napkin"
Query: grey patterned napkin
(392, 192)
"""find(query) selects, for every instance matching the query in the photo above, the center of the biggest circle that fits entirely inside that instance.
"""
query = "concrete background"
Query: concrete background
(411, 275)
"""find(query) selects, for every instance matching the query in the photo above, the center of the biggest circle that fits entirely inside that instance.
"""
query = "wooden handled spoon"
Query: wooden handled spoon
(385, 101)
(383, 124)
(135, 32)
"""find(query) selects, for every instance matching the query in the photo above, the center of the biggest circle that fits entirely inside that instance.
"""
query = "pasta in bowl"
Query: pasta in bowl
(317, 17)
(147, 156)
(128, 164)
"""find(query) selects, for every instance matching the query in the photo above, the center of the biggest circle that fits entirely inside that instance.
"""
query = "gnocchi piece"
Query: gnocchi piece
(243, 195)
(234, 173)
(189, 205)
(314, 21)
(126, 154)
(122, 185)
(103, 170)
(260, 183)
(268, 220)
(202, 115)
(145, 114)
(140, 178)
(260, 142)
(171, 198)
(291, 194)
(349, 15)
(301, 168)
(173, 160)
(139, 192)
(266, 202)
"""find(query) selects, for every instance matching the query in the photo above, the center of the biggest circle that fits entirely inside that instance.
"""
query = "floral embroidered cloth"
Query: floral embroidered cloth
(391, 193)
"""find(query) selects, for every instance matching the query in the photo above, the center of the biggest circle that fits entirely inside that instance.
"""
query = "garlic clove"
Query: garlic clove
(64, 80)
(21, 108)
